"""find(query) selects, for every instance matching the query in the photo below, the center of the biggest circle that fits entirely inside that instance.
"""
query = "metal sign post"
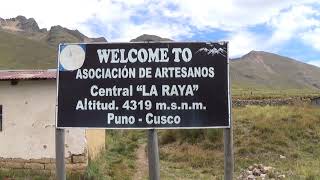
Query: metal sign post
(167, 85)
(60, 164)
(153, 155)
(228, 154)
(228, 142)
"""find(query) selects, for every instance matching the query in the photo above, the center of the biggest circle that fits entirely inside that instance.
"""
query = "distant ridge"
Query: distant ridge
(23, 45)
(29, 28)
(148, 37)
(268, 70)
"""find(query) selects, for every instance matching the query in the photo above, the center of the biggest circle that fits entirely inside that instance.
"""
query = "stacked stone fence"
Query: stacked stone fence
(74, 163)
(270, 102)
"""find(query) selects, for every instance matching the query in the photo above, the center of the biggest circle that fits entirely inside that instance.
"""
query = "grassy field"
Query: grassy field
(261, 135)
(256, 93)
(118, 161)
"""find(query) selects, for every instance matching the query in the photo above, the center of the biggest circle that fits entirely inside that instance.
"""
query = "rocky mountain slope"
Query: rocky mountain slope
(148, 37)
(268, 70)
(29, 28)
(23, 45)
(263, 70)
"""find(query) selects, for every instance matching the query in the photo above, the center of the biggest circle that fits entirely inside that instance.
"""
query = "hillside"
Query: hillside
(148, 37)
(259, 69)
(23, 45)
(17, 52)
(263, 70)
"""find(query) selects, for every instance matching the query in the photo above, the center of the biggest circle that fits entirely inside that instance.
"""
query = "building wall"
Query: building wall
(27, 139)
(96, 139)
(29, 121)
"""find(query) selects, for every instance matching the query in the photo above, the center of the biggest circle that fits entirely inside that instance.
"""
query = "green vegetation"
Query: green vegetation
(118, 161)
(22, 175)
(256, 93)
(263, 70)
(34, 175)
(58, 34)
(22, 53)
(261, 135)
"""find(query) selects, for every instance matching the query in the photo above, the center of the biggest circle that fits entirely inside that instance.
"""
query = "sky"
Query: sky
(287, 27)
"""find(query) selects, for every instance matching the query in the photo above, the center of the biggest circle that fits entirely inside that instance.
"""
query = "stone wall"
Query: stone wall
(270, 102)
(75, 163)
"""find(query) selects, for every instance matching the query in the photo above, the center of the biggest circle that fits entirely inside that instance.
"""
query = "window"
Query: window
(0, 118)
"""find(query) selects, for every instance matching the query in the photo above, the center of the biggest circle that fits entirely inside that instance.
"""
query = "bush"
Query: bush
(214, 135)
(168, 136)
(192, 136)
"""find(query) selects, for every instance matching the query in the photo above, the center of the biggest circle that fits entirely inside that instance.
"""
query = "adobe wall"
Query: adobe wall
(28, 135)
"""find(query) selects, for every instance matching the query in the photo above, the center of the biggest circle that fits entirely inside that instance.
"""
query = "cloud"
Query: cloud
(288, 24)
(315, 63)
(242, 42)
(312, 38)
(122, 20)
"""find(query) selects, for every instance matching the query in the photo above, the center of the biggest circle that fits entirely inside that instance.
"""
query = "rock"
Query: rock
(13, 165)
(282, 157)
(249, 172)
(50, 166)
(250, 168)
(28, 25)
(282, 176)
(78, 159)
(267, 169)
(260, 166)
(251, 177)
(256, 172)
(255, 165)
(263, 175)
(76, 167)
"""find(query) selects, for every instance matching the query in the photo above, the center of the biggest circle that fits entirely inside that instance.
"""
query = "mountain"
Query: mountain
(148, 37)
(23, 45)
(263, 70)
(259, 69)
(29, 28)
(18, 52)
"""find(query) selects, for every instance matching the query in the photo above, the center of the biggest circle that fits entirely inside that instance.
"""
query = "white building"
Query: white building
(27, 124)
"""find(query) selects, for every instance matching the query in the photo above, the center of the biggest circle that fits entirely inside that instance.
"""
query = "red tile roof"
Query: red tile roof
(27, 74)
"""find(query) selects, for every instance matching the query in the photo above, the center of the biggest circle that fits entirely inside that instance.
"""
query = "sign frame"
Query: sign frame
(137, 128)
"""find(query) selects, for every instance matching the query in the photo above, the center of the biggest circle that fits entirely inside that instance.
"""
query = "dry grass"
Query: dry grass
(118, 161)
(261, 135)
(254, 93)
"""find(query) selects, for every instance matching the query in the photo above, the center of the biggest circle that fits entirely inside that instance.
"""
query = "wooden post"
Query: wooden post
(153, 155)
(60, 164)
(228, 153)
